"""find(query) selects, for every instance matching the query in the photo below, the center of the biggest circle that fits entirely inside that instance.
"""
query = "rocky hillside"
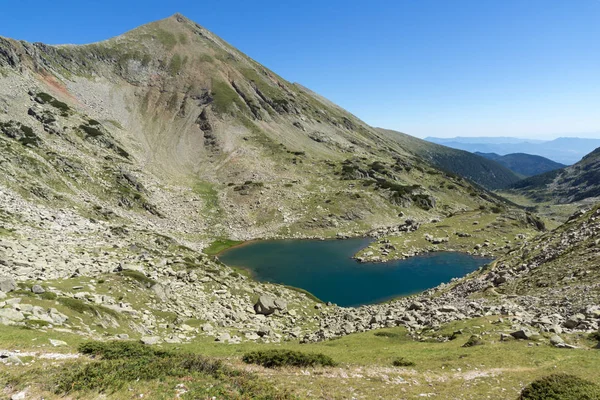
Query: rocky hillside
(122, 160)
(575, 183)
(524, 164)
(172, 128)
(485, 172)
(547, 284)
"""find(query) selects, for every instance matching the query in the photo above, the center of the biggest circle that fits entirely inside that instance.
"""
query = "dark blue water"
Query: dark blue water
(326, 269)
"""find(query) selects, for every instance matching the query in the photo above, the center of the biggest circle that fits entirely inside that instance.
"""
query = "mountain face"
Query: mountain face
(485, 172)
(524, 164)
(121, 160)
(171, 127)
(562, 150)
(568, 185)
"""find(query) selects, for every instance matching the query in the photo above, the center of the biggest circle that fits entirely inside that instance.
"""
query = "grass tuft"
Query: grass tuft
(402, 362)
(139, 277)
(83, 307)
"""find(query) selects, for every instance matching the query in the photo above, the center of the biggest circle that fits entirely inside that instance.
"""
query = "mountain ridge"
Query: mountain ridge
(177, 104)
(524, 164)
(574, 183)
(485, 172)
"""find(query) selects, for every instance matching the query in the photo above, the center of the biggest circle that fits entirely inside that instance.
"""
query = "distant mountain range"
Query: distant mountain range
(566, 150)
(524, 164)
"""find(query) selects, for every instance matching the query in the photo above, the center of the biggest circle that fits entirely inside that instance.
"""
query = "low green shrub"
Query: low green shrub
(287, 358)
(561, 387)
(37, 322)
(474, 340)
(402, 362)
(82, 307)
(391, 335)
(63, 107)
(91, 131)
(120, 349)
(120, 363)
(139, 277)
(49, 296)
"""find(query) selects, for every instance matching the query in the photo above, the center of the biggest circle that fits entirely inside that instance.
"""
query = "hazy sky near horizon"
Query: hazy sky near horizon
(526, 68)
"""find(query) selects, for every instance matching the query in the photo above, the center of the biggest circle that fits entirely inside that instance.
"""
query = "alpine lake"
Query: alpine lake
(326, 269)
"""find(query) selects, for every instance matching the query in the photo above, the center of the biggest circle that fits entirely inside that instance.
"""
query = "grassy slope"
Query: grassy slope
(447, 369)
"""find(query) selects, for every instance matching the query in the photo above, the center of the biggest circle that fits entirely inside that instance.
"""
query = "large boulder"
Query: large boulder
(267, 305)
(524, 334)
(37, 289)
(7, 284)
(11, 315)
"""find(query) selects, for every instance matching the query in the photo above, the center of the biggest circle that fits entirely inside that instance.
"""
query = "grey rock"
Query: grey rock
(37, 289)
(150, 340)
(12, 315)
(265, 305)
(57, 343)
(556, 340)
(524, 334)
(448, 309)
(7, 284)
(12, 359)
(160, 292)
(18, 396)
(224, 337)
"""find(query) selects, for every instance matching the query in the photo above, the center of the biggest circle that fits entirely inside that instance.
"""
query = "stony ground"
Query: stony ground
(122, 161)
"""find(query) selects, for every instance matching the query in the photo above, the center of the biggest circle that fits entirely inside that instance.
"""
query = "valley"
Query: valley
(132, 167)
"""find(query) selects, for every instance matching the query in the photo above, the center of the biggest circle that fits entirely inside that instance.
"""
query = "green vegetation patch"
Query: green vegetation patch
(166, 38)
(287, 358)
(83, 307)
(225, 97)
(176, 63)
(115, 350)
(139, 277)
(62, 107)
(121, 364)
(219, 246)
(389, 335)
(561, 387)
(474, 340)
(402, 362)
(91, 131)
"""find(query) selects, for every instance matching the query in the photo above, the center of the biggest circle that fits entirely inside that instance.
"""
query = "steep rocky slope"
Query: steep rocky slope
(171, 127)
(483, 171)
(575, 183)
(121, 160)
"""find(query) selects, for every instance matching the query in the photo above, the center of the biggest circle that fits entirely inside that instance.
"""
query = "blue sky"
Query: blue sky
(527, 68)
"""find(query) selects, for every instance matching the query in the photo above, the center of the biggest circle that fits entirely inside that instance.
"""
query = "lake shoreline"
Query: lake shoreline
(327, 270)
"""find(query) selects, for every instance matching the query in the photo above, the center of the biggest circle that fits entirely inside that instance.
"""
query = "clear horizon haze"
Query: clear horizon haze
(515, 68)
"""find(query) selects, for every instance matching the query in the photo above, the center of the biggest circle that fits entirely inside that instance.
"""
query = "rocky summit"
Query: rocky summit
(128, 164)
